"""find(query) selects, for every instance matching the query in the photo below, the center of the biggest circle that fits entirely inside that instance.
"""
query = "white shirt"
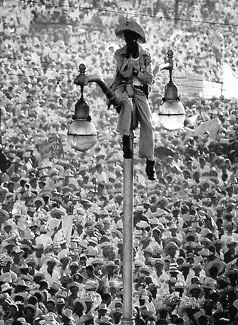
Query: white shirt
(136, 64)
(44, 239)
(55, 277)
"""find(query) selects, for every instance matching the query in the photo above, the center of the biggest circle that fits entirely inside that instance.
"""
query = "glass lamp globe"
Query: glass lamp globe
(82, 135)
(172, 115)
(171, 112)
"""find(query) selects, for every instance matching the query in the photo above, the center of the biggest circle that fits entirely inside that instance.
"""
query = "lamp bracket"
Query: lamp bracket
(83, 80)
(81, 90)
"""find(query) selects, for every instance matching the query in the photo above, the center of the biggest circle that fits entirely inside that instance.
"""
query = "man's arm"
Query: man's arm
(128, 67)
(144, 73)
(124, 65)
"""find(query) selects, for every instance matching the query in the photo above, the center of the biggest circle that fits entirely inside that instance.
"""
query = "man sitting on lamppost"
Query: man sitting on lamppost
(131, 83)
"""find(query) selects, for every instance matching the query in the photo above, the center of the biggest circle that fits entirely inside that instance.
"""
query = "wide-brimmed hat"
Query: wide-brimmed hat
(191, 236)
(5, 287)
(180, 285)
(64, 257)
(103, 307)
(21, 283)
(68, 313)
(39, 275)
(39, 246)
(60, 301)
(39, 199)
(169, 246)
(209, 283)
(91, 251)
(112, 264)
(194, 286)
(49, 319)
(56, 286)
(73, 285)
(129, 24)
(30, 306)
(217, 263)
(142, 224)
(51, 259)
(172, 239)
(98, 261)
(204, 252)
(91, 285)
(22, 320)
(6, 277)
(104, 320)
(43, 229)
(17, 250)
(4, 215)
(56, 211)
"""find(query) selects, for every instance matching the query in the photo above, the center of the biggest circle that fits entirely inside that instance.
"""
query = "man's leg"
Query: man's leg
(146, 143)
(124, 121)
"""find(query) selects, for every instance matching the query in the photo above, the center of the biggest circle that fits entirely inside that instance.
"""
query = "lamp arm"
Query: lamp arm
(107, 91)
(83, 80)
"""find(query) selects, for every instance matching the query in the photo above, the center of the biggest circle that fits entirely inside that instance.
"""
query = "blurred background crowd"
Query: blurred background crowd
(61, 210)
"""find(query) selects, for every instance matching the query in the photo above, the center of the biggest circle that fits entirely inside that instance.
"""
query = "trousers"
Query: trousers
(146, 139)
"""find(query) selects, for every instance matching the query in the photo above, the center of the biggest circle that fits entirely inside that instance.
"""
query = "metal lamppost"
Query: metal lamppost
(82, 136)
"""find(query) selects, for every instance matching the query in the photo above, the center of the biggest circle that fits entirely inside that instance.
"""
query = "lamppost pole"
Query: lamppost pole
(128, 196)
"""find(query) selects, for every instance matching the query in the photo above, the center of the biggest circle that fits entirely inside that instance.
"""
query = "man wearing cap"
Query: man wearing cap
(133, 77)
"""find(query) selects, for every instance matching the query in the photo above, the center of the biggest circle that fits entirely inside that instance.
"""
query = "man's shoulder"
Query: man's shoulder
(144, 51)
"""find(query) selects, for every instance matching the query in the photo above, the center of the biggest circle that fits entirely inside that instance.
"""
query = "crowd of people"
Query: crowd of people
(61, 216)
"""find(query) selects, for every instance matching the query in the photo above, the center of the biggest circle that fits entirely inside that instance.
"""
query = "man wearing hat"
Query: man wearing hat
(156, 240)
(64, 267)
(49, 269)
(67, 317)
(6, 266)
(73, 294)
(133, 77)
(44, 238)
(49, 319)
(38, 255)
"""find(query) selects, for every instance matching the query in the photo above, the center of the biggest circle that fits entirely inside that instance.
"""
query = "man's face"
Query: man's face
(50, 307)
(38, 204)
(130, 36)
(2, 196)
(8, 229)
(51, 266)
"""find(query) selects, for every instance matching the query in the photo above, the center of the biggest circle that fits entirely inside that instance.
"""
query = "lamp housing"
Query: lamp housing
(171, 112)
(82, 134)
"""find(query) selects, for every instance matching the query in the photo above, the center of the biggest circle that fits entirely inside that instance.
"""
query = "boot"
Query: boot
(126, 147)
(150, 170)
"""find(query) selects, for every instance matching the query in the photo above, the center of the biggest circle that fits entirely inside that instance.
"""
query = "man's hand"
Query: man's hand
(127, 69)
(132, 50)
